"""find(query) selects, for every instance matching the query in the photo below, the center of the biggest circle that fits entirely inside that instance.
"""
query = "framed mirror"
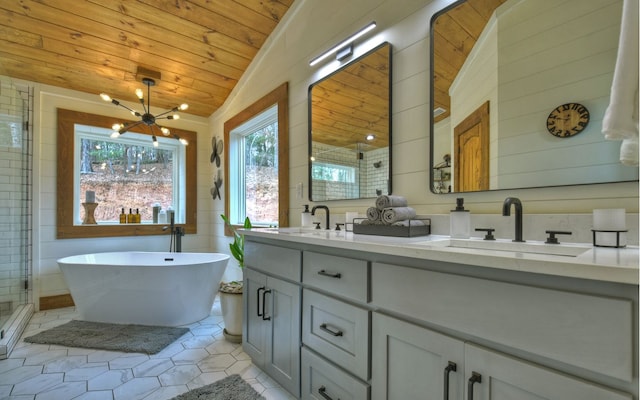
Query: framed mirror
(350, 130)
(500, 69)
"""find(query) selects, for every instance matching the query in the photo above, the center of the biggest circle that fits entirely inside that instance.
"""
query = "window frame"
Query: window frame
(237, 147)
(279, 97)
(65, 227)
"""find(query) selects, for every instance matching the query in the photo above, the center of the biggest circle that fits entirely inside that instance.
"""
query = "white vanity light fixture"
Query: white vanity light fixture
(343, 49)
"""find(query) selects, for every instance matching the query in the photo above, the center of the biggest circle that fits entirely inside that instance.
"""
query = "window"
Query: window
(127, 173)
(333, 172)
(76, 129)
(256, 161)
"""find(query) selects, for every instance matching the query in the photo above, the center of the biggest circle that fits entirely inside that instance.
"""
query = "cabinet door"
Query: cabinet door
(254, 328)
(283, 347)
(412, 362)
(497, 376)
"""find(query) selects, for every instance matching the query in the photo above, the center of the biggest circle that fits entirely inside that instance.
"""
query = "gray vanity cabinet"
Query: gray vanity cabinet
(502, 377)
(591, 331)
(271, 328)
(412, 362)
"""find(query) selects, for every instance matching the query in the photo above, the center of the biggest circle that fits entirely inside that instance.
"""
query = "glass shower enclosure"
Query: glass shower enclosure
(16, 177)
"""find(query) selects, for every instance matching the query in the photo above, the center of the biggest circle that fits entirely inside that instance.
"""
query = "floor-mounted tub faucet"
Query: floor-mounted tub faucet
(326, 211)
(506, 211)
(177, 232)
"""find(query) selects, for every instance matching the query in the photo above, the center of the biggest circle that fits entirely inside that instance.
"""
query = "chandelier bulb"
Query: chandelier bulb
(175, 116)
(105, 97)
(117, 127)
(155, 141)
(183, 106)
(139, 93)
(115, 135)
(165, 131)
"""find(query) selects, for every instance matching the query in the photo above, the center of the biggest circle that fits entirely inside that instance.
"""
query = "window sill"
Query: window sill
(93, 231)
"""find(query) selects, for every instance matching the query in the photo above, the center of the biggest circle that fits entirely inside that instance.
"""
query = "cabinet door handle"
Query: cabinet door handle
(332, 332)
(336, 275)
(258, 308)
(264, 314)
(475, 378)
(322, 391)
(450, 367)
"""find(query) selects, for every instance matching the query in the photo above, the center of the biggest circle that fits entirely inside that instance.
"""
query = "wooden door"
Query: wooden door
(471, 152)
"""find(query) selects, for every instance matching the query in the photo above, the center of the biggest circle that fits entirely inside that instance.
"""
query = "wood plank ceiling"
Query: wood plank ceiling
(454, 35)
(201, 48)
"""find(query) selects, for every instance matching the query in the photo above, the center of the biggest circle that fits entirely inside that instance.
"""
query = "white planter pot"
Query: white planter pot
(231, 306)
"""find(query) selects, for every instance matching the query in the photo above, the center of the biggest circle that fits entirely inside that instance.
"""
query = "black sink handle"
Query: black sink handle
(552, 239)
(489, 235)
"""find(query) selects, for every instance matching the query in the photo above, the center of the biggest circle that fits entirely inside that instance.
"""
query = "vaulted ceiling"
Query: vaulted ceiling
(199, 48)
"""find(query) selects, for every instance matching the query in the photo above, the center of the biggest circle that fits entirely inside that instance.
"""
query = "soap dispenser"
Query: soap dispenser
(460, 220)
(305, 219)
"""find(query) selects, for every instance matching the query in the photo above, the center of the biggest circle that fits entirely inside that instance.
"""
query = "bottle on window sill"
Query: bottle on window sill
(138, 218)
(123, 217)
(130, 217)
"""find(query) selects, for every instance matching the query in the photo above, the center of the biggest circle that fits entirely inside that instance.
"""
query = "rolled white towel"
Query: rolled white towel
(409, 222)
(385, 201)
(373, 214)
(629, 152)
(394, 214)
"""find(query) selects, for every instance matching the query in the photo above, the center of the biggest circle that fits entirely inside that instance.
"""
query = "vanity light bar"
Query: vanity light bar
(342, 44)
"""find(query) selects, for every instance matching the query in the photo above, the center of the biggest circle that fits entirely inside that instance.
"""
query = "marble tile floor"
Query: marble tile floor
(200, 357)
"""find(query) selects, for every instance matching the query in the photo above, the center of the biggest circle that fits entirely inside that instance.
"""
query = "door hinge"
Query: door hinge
(26, 285)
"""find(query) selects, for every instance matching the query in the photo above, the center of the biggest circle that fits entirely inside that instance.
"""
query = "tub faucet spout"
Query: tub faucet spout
(506, 211)
(326, 212)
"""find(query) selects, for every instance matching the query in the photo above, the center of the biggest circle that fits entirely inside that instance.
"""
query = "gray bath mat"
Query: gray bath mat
(116, 337)
(232, 387)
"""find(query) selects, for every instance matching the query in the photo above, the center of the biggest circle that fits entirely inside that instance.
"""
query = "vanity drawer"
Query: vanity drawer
(347, 277)
(274, 260)
(320, 379)
(585, 330)
(337, 330)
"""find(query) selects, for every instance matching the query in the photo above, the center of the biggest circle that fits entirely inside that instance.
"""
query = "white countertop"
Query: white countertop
(595, 263)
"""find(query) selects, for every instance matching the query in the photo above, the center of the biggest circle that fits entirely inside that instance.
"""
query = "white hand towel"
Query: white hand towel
(395, 214)
(620, 120)
(385, 201)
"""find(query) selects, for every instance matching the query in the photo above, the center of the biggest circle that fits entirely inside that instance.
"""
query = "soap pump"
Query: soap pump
(460, 220)
(306, 217)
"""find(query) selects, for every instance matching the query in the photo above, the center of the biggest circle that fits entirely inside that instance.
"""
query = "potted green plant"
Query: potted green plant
(231, 292)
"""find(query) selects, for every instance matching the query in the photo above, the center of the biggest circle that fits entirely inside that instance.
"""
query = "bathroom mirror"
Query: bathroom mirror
(350, 130)
(500, 67)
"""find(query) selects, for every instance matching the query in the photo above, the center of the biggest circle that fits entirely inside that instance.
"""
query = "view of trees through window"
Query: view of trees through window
(261, 174)
(126, 176)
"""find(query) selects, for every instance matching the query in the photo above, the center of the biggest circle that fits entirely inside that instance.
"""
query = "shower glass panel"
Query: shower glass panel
(16, 152)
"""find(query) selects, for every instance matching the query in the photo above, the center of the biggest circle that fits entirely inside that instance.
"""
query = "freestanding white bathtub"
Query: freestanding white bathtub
(146, 288)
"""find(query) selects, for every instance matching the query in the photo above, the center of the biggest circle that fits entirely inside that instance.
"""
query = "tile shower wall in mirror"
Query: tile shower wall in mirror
(350, 130)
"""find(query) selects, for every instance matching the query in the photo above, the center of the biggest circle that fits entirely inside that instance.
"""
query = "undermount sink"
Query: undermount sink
(567, 250)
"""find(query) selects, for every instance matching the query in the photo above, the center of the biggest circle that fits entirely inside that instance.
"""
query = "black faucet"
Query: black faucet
(326, 209)
(506, 211)
(177, 232)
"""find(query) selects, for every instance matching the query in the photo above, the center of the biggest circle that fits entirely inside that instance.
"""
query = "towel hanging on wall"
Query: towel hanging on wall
(620, 120)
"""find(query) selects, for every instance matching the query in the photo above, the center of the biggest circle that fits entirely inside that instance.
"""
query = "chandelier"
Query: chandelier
(146, 118)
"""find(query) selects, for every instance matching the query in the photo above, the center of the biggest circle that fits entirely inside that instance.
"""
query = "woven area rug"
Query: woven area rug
(116, 337)
(233, 387)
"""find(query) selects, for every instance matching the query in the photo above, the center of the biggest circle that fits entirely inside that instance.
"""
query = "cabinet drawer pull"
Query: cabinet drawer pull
(264, 314)
(322, 391)
(336, 275)
(330, 331)
(258, 308)
(450, 367)
(475, 378)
